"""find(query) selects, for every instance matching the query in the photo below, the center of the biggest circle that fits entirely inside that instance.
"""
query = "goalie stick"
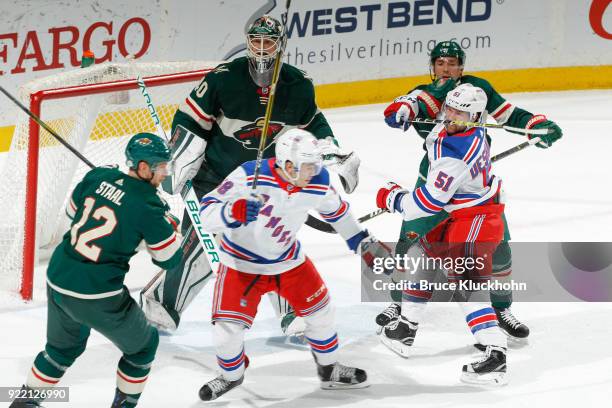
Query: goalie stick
(190, 199)
(326, 227)
(270, 103)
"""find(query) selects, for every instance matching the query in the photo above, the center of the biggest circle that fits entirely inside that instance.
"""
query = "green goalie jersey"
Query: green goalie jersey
(112, 213)
(227, 109)
(497, 107)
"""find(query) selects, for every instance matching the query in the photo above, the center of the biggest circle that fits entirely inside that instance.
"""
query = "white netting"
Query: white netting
(98, 125)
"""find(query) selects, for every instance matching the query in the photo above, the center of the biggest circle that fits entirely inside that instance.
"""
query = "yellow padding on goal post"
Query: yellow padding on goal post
(374, 91)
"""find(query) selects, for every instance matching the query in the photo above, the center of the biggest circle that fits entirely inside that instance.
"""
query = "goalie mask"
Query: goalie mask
(265, 40)
(300, 148)
(466, 103)
(150, 149)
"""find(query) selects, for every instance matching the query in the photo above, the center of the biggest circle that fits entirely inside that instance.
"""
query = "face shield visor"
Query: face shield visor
(163, 168)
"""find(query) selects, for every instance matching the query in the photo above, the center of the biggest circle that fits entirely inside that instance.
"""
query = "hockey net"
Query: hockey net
(96, 110)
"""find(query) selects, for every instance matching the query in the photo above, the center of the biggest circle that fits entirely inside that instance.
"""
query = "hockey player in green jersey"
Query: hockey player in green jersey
(218, 128)
(447, 61)
(112, 213)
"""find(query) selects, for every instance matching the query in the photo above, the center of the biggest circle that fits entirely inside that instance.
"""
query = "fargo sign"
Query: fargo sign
(68, 43)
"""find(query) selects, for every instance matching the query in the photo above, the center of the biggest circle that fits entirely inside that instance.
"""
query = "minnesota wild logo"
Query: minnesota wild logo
(250, 134)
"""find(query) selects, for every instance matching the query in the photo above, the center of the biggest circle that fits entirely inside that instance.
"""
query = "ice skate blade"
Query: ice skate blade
(395, 346)
(516, 341)
(496, 379)
(333, 385)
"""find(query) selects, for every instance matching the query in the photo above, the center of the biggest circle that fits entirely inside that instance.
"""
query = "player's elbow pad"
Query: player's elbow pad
(188, 155)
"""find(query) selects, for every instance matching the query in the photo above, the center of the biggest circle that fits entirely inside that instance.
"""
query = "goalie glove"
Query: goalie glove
(346, 165)
(389, 197)
(188, 155)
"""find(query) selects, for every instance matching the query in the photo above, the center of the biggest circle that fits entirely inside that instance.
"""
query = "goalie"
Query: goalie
(218, 128)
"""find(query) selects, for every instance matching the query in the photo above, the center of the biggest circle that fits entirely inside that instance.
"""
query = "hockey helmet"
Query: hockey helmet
(150, 149)
(468, 98)
(447, 49)
(301, 149)
(265, 40)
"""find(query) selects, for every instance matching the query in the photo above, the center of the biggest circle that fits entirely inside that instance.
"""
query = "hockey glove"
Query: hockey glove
(370, 249)
(245, 210)
(541, 122)
(389, 197)
(400, 113)
(346, 165)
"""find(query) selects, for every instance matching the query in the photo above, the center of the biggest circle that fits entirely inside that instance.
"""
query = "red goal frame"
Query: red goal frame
(36, 100)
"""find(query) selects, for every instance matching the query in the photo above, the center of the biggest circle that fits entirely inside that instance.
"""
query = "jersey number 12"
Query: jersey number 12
(82, 241)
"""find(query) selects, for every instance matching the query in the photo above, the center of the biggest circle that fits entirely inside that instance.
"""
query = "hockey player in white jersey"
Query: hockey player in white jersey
(459, 181)
(260, 253)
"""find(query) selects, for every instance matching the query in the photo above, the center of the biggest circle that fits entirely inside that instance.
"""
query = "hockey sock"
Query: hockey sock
(482, 322)
(321, 334)
(45, 372)
(229, 345)
(414, 302)
(502, 271)
(131, 379)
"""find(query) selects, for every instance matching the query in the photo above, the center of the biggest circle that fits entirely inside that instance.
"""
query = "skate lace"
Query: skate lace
(218, 385)
(342, 371)
(485, 356)
(390, 311)
(509, 318)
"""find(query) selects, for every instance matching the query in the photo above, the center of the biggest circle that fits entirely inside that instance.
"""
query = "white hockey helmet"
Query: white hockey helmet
(300, 148)
(468, 98)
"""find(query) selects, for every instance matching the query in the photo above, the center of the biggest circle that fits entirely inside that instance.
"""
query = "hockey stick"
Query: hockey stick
(270, 104)
(326, 227)
(47, 128)
(192, 204)
(478, 124)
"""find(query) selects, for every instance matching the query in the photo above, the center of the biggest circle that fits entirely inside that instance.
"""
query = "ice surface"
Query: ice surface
(560, 194)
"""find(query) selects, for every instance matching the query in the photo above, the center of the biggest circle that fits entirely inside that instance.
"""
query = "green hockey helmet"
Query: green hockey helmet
(265, 40)
(150, 149)
(447, 49)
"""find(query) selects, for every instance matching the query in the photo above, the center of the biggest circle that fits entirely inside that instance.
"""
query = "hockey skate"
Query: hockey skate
(398, 336)
(340, 377)
(386, 316)
(217, 387)
(122, 400)
(511, 326)
(25, 403)
(490, 369)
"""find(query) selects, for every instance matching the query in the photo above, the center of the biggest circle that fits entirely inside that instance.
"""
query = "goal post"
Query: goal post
(96, 110)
